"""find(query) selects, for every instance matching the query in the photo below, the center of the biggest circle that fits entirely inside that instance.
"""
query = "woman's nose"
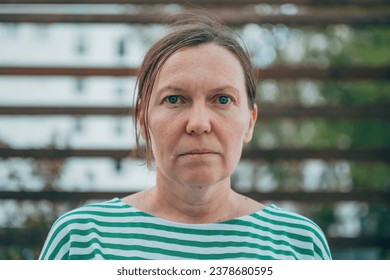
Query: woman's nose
(198, 120)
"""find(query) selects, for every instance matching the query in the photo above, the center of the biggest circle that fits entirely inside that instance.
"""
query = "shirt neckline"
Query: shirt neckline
(165, 221)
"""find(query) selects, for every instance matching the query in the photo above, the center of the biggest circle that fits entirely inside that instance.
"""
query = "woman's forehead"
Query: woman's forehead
(202, 53)
(209, 63)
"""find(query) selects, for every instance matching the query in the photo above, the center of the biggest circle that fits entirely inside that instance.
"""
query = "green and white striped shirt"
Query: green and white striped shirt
(115, 230)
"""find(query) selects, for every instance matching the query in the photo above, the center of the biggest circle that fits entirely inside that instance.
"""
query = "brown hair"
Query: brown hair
(188, 29)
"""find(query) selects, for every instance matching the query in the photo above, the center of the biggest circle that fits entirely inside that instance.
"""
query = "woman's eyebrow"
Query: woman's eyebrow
(170, 88)
(226, 89)
(177, 89)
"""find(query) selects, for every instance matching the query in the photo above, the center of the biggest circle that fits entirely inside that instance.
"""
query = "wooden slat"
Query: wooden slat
(359, 242)
(22, 237)
(348, 72)
(123, 111)
(366, 3)
(329, 112)
(362, 154)
(324, 197)
(66, 153)
(352, 72)
(229, 18)
(318, 197)
(266, 111)
(67, 71)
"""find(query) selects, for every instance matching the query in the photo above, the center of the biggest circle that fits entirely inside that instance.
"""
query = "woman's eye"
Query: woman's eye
(223, 99)
(172, 99)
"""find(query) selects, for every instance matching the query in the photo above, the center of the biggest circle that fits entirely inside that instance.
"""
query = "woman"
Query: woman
(195, 109)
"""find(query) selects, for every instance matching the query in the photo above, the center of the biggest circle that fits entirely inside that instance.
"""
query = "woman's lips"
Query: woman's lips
(197, 152)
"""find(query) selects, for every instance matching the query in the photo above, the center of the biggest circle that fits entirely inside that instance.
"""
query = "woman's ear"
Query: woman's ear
(252, 121)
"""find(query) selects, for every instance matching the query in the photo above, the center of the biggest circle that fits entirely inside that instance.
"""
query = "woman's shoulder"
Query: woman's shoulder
(279, 214)
(82, 220)
(92, 214)
(112, 205)
(110, 208)
(287, 220)
(283, 224)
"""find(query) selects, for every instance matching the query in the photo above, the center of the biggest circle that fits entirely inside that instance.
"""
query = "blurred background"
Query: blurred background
(322, 141)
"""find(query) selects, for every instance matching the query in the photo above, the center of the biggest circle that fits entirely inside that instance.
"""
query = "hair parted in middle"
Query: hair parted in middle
(188, 29)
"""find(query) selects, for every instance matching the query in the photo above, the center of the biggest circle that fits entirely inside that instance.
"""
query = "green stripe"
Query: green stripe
(171, 253)
(113, 203)
(107, 214)
(95, 252)
(107, 205)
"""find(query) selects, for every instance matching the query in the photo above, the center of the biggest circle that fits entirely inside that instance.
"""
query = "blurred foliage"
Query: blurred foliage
(27, 217)
(373, 176)
(356, 92)
(334, 45)
(369, 46)
(316, 133)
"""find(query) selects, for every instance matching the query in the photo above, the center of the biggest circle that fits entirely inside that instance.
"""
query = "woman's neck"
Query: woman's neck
(193, 204)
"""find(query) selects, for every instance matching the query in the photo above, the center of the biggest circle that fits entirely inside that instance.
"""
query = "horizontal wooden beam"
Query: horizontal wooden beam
(123, 111)
(323, 197)
(233, 18)
(318, 197)
(266, 111)
(362, 154)
(67, 71)
(366, 3)
(352, 72)
(359, 242)
(346, 72)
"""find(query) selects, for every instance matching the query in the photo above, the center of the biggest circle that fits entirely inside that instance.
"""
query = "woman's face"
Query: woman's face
(199, 116)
